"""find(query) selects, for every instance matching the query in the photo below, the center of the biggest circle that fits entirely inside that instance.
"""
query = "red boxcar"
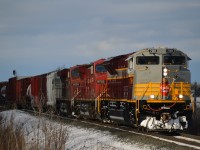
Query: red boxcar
(39, 91)
(23, 84)
(17, 90)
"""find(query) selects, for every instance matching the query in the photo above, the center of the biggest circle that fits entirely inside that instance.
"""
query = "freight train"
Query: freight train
(149, 89)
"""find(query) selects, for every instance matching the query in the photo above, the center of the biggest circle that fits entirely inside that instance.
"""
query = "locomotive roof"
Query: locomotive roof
(20, 77)
(118, 57)
(159, 50)
(81, 65)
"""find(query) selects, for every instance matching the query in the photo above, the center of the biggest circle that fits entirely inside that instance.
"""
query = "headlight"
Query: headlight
(164, 71)
(152, 96)
(180, 96)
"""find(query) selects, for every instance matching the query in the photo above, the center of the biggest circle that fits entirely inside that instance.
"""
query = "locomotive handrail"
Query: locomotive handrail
(138, 103)
(75, 95)
(98, 98)
(180, 88)
(150, 108)
(144, 91)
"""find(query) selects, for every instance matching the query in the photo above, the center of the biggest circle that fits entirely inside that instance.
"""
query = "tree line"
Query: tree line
(195, 87)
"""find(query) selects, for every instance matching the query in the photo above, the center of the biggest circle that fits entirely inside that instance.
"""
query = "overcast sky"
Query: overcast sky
(38, 36)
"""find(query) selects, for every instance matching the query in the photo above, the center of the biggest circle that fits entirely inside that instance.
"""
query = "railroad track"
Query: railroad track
(181, 139)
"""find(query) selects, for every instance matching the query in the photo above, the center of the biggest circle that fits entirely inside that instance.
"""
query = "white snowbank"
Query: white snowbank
(198, 102)
(76, 138)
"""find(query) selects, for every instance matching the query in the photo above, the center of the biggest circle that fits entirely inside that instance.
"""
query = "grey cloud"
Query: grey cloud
(70, 32)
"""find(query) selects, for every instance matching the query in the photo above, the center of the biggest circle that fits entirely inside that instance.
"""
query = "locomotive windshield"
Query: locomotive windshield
(75, 73)
(174, 60)
(100, 68)
(147, 60)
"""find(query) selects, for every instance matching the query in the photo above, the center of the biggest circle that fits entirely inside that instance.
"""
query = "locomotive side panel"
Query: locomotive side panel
(119, 82)
(96, 79)
(78, 88)
(77, 80)
(115, 104)
(98, 86)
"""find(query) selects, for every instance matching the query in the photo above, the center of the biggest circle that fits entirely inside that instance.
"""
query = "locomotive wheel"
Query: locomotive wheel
(105, 116)
(147, 130)
(139, 128)
(91, 112)
(143, 129)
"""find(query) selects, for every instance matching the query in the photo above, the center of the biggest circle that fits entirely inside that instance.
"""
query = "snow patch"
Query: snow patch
(77, 138)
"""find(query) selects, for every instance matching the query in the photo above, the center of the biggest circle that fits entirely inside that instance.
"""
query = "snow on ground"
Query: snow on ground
(75, 137)
(198, 101)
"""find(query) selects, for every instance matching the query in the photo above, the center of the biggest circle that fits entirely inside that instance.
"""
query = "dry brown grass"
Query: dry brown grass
(195, 123)
(11, 138)
(46, 136)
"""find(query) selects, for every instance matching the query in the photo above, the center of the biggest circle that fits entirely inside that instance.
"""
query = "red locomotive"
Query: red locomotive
(88, 83)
